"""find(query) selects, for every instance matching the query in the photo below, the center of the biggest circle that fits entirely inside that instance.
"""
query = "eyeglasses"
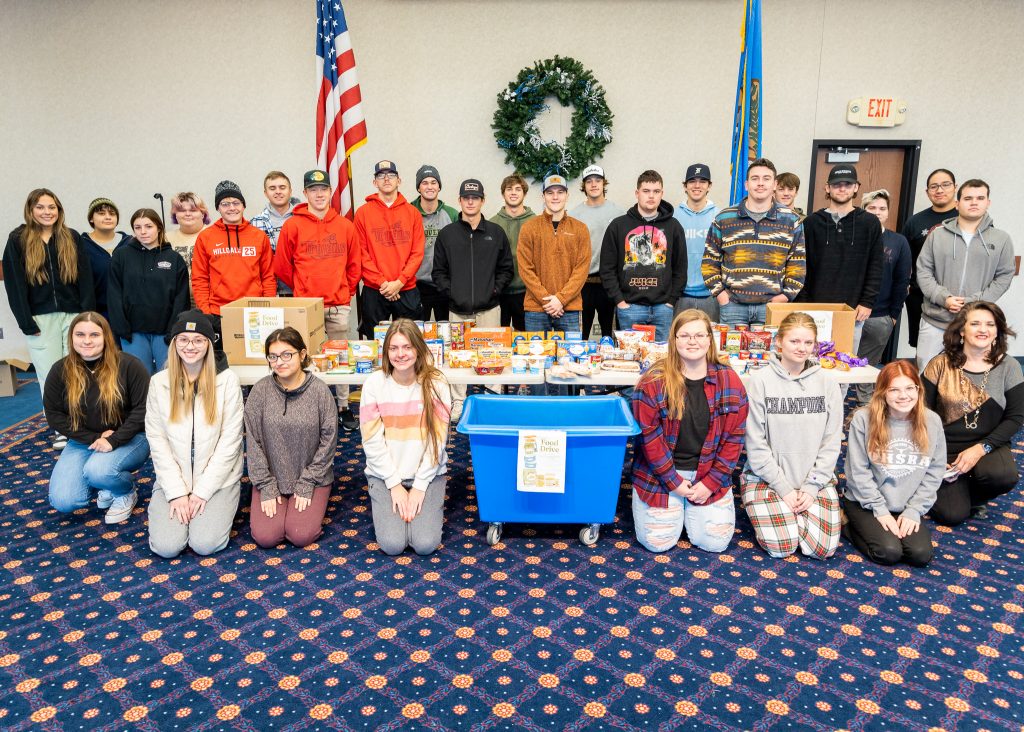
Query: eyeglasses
(386, 176)
(230, 204)
(940, 186)
(283, 356)
(185, 341)
(695, 337)
(909, 391)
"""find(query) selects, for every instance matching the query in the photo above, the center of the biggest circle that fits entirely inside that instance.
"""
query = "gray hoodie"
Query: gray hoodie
(948, 266)
(903, 479)
(794, 427)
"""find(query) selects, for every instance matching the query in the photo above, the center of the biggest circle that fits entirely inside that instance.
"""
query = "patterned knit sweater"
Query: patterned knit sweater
(394, 439)
(755, 260)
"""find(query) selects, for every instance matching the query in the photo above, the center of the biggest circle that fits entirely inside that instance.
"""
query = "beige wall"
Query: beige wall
(132, 98)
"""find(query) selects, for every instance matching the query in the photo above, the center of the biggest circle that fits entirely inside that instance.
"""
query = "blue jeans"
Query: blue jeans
(709, 527)
(149, 348)
(80, 470)
(660, 316)
(570, 320)
(738, 313)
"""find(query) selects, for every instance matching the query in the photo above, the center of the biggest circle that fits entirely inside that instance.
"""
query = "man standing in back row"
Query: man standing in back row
(318, 255)
(392, 240)
(436, 215)
(643, 260)
(755, 252)
(472, 265)
(695, 215)
(554, 260)
(940, 187)
(597, 212)
(844, 251)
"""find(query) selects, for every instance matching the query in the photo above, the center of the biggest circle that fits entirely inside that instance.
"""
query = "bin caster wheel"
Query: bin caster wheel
(493, 534)
(589, 534)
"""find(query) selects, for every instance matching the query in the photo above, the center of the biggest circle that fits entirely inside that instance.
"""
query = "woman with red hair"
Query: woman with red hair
(894, 467)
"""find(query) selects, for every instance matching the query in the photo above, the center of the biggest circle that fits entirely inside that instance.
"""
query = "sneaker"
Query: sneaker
(104, 499)
(60, 442)
(121, 507)
(456, 412)
(979, 512)
(349, 421)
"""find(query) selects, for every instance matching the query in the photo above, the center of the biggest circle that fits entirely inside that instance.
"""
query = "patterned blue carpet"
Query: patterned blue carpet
(537, 633)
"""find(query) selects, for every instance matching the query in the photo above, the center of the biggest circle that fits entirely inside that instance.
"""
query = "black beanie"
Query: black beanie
(192, 321)
(227, 189)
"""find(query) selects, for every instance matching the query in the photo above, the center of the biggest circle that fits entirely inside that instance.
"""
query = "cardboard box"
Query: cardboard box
(836, 321)
(8, 379)
(246, 323)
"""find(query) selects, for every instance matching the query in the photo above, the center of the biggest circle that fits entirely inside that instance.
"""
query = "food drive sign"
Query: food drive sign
(876, 111)
(540, 463)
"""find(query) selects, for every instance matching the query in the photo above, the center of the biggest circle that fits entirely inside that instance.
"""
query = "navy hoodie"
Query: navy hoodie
(644, 262)
(146, 289)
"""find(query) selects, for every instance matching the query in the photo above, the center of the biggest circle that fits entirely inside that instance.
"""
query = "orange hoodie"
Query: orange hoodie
(392, 241)
(230, 262)
(319, 257)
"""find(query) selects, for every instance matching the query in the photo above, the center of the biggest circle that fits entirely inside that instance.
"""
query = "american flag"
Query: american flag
(340, 127)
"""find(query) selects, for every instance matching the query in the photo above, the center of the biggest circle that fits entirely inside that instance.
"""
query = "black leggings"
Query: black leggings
(881, 546)
(994, 475)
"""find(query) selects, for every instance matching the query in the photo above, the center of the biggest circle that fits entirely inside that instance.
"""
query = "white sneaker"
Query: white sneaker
(60, 442)
(104, 499)
(121, 507)
(456, 412)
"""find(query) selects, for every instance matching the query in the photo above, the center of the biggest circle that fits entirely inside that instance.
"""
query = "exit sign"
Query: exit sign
(876, 111)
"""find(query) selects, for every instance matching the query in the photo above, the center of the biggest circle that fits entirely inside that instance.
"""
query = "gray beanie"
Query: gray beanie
(427, 171)
(227, 189)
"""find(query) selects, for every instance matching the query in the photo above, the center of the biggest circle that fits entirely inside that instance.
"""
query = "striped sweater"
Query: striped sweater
(755, 260)
(394, 440)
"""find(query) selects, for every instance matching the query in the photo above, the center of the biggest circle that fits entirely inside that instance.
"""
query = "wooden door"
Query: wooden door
(880, 167)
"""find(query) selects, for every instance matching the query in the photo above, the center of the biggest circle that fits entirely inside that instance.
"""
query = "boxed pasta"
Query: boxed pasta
(501, 356)
(462, 359)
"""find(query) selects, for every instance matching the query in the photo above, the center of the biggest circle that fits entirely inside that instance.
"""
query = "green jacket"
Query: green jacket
(511, 225)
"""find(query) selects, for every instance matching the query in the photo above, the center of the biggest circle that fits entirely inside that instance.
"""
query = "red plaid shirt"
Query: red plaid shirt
(654, 473)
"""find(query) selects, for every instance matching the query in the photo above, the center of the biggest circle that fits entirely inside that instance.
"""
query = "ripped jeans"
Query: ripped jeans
(709, 527)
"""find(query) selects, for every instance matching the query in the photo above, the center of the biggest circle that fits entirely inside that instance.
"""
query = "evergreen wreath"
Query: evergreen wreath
(515, 120)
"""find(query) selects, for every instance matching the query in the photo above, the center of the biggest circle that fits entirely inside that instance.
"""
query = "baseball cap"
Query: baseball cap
(471, 187)
(697, 170)
(554, 180)
(385, 166)
(593, 170)
(843, 174)
(316, 178)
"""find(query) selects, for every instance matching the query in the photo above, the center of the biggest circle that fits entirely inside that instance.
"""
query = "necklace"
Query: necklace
(964, 383)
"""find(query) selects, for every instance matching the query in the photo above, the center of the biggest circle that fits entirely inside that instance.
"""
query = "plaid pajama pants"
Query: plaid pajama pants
(780, 531)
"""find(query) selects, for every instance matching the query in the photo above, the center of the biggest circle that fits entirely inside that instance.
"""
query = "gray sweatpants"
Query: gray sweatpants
(393, 534)
(207, 533)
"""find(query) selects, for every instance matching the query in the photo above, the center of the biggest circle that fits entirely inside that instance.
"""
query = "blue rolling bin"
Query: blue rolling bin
(597, 430)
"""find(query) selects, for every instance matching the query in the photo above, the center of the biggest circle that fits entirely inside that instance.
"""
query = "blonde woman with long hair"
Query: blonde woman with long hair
(794, 434)
(96, 396)
(691, 410)
(894, 467)
(194, 425)
(48, 279)
(404, 414)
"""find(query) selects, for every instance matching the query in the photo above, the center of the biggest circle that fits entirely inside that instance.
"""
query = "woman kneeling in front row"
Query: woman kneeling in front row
(96, 396)
(194, 425)
(894, 466)
(292, 422)
(691, 410)
(404, 415)
(794, 434)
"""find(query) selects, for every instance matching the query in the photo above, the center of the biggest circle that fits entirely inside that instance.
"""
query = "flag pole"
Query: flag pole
(351, 185)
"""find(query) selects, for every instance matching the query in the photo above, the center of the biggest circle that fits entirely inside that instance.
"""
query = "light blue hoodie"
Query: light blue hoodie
(696, 225)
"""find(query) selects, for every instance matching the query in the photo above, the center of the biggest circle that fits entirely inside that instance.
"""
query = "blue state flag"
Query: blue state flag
(746, 130)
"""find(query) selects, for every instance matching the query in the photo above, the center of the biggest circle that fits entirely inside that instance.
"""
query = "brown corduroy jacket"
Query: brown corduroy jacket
(553, 262)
